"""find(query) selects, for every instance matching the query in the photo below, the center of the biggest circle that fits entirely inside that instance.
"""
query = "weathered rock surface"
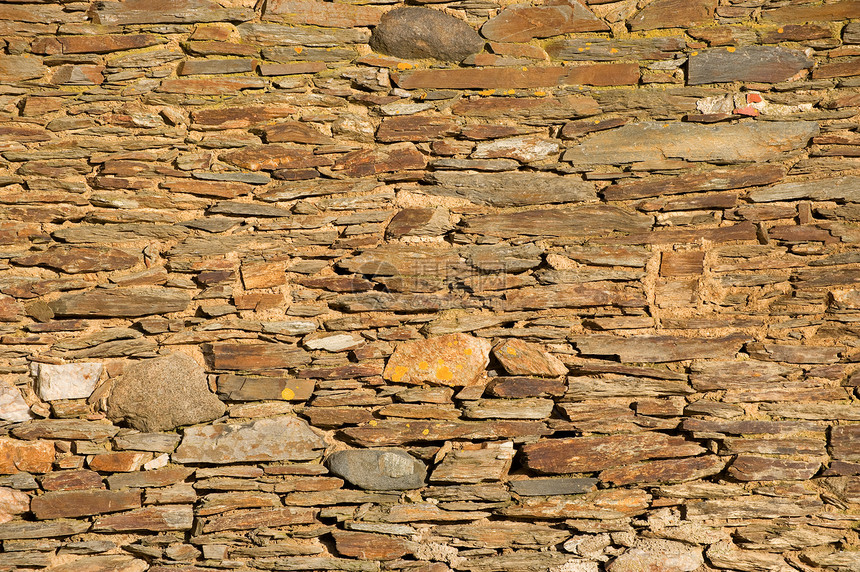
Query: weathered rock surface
(652, 141)
(272, 439)
(164, 393)
(414, 32)
(378, 469)
(121, 302)
(67, 381)
(511, 189)
(749, 63)
(522, 22)
(453, 360)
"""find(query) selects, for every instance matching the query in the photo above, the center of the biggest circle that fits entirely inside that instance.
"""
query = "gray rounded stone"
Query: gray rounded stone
(386, 469)
(414, 32)
(163, 393)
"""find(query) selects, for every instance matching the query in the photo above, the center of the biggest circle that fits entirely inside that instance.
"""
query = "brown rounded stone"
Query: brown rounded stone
(414, 32)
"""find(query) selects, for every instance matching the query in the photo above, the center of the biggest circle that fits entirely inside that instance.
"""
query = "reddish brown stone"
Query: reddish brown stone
(667, 471)
(587, 454)
(658, 349)
(454, 360)
(841, 69)
(240, 117)
(388, 159)
(64, 504)
(294, 132)
(570, 296)
(165, 12)
(217, 189)
(78, 75)
(250, 519)
(712, 180)
(268, 157)
(119, 461)
(216, 503)
(845, 442)
(106, 43)
(120, 302)
(31, 457)
(163, 477)
(74, 260)
(10, 310)
(682, 263)
(148, 519)
(673, 14)
(75, 479)
(604, 504)
(415, 128)
(799, 14)
(750, 468)
(291, 69)
(256, 356)
(522, 22)
(523, 358)
(318, 13)
(370, 546)
(504, 78)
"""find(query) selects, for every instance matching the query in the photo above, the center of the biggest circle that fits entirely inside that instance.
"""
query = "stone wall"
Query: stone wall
(465, 286)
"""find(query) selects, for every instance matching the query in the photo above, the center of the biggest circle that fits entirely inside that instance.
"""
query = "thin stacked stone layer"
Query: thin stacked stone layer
(448, 286)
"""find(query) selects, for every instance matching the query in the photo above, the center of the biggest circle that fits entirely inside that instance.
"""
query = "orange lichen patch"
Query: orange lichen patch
(453, 360)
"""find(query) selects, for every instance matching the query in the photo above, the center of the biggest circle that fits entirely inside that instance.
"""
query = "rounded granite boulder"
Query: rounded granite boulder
(385, 469)
(414, 32)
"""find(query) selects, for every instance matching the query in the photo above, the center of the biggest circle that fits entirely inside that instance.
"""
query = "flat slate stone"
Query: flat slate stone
(326, 14)
(710, 180)
(67, 429)
(658, 349)
(239, 388)
(74, 260)
(539, 486)
(18, 68)
(542, 108)
(584, 221)
(523, 22)
(271, 439)
(121, 302)
(845, 442)
(387, 469)
(234, 356)
(166, 12)
(147, 519)
(63, 504)
(665, 471)
(752, 468)
(163, 393)
(729, 143)
(599, 49)
(511, 189)
(766, 64)
(673, 14)
(453, 360)
(414, 32)
(504, 78)
(18, 530)
(595, 453)
(819, 189)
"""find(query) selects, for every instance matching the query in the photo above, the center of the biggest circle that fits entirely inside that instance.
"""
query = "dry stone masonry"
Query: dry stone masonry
(438, 286)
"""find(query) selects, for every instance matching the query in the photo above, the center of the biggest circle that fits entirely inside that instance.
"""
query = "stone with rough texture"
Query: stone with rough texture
(316, 13)
(163, 393)
(31, 457)
(378, 469)
(767, 64)
(655, 554)
(165, 12)
(654, 349)
(64, 504)
(672, 14)
(148, 519)
(498, 78)
(413, 32)
(750, 468)
(12, 404)
(511, 189)
(453, 360)
(121, 302)
(653, 141)
(522, 22)
(104, 563)
(67, 381)
(73, 260)
(587, 454)
(586, 220)
(522, 358)
(271, 439)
